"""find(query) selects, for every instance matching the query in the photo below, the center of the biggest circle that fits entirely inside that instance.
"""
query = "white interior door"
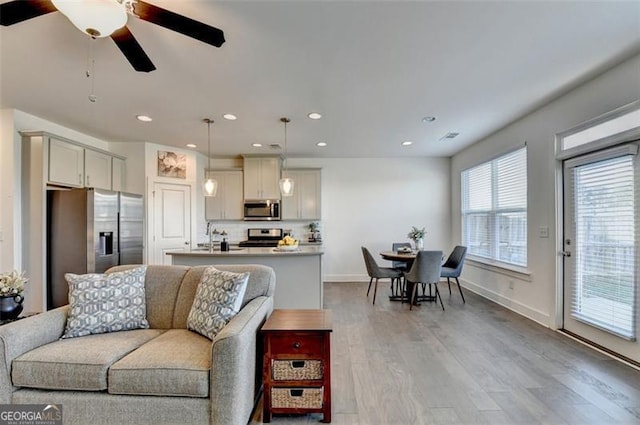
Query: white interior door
(172, 220)
(601, 239)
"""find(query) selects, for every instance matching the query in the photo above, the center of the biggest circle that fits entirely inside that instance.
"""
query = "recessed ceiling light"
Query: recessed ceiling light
(321, 144)
(256, 145)
(191, 145)
(144, 118)
(428, 119)
(229, 117)
(407, 143)
(314, 115)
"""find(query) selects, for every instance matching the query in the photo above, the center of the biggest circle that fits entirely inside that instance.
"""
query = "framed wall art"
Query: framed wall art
(171, 164)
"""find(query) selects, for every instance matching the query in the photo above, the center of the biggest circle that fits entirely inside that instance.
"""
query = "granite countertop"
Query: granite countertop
(255, 252)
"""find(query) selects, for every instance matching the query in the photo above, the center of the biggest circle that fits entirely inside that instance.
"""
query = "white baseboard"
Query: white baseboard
(346, 278)
(537, 316)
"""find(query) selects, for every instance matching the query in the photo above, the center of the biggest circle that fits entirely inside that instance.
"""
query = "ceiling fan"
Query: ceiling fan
(108, 18)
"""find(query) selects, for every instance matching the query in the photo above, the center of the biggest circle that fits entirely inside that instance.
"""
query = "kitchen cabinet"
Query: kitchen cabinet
(261, 177)
(305, 202)
(97, 169)
(118, 177)
(228, 202)
(66, 163)
(74, 165)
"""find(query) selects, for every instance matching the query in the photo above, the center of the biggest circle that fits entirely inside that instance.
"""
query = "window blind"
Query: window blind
(604, 276)
(494, 209)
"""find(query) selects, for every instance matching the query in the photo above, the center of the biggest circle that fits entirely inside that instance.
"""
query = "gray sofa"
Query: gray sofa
(162, 375)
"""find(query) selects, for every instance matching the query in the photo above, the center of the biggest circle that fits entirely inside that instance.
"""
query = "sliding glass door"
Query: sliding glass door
(601, 239)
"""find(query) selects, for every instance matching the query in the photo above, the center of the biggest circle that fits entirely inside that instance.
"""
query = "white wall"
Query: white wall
(373, 202)
(536, 297)
(10, 222)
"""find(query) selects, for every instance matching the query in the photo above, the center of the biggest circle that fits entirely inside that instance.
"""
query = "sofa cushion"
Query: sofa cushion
(176, 363)
(218, 298)
(76, 363)
(162, 284)
(106, 303)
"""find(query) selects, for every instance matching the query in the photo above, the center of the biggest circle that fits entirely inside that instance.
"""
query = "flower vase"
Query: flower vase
(419, 244)
(10, 306)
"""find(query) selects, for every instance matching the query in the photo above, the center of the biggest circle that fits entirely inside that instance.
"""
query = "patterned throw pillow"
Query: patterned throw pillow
(218, 298)
(102, 303)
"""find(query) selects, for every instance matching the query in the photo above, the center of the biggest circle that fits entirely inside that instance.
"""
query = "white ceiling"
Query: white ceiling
(373, 69)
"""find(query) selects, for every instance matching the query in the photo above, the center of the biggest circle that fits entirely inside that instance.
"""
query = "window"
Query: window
(494, 209)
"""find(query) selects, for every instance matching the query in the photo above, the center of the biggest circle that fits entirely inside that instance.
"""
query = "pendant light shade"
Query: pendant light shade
(210, 186)
(97, 18)
(286, 186)
(286, 183)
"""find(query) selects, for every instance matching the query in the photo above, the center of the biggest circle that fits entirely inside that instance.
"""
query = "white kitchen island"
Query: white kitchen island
(298, 273)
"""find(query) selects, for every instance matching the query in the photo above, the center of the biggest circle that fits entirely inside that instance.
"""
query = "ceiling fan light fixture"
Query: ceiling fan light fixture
(96, 18)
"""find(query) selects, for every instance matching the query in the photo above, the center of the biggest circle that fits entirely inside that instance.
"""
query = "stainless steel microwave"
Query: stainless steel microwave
(261, 209)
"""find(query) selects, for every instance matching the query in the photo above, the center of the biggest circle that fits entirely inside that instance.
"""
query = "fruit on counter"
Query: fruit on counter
(287, 241)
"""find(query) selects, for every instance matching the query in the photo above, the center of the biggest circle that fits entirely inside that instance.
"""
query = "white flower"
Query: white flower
(12, 283)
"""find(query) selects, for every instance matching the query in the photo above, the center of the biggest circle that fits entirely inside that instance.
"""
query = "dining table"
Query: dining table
(406, 257)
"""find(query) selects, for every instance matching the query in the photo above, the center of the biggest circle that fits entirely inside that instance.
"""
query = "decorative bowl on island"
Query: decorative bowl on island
(287, 244)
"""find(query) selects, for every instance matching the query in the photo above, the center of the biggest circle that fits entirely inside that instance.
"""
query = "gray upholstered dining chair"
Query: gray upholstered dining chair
(399, 265)
(425, 270)
(452, 268)
(376, 272)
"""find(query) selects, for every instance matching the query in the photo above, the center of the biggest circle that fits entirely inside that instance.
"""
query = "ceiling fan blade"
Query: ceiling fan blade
(178, 23)
(21, 10)
(132, 50)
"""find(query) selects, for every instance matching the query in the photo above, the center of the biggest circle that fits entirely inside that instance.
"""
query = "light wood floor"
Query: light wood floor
(475, 363)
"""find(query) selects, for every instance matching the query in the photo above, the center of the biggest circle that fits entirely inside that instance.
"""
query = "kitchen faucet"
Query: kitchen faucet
(211, 232)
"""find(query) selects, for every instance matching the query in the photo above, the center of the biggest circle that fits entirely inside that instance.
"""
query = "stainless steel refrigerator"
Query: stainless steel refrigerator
(89, 231)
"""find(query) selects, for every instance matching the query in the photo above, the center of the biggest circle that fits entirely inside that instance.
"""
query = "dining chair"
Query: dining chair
(399, 265)
(425, 270)
(452, 268)
(376, 272)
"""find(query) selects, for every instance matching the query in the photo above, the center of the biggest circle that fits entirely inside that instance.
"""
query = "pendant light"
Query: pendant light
(210, 185)
(286, 182)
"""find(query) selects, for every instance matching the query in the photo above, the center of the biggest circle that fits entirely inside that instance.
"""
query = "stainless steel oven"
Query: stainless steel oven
(261, 209)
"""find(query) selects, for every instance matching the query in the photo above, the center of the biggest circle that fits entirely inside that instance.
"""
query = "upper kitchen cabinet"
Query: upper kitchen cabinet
(117, 174)
(305, 202)
(71, 164)
(97, 169)
(228, 202)
(261, 177)
(66, 163)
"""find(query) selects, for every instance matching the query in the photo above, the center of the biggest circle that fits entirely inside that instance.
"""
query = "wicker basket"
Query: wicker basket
(296, 370)
(296, 398)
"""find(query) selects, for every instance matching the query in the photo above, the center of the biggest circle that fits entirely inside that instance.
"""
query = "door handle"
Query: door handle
(187, 243)
(565, 253)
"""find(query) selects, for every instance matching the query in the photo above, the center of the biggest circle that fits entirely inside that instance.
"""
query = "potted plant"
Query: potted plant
(11, 298)
(417, 236)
